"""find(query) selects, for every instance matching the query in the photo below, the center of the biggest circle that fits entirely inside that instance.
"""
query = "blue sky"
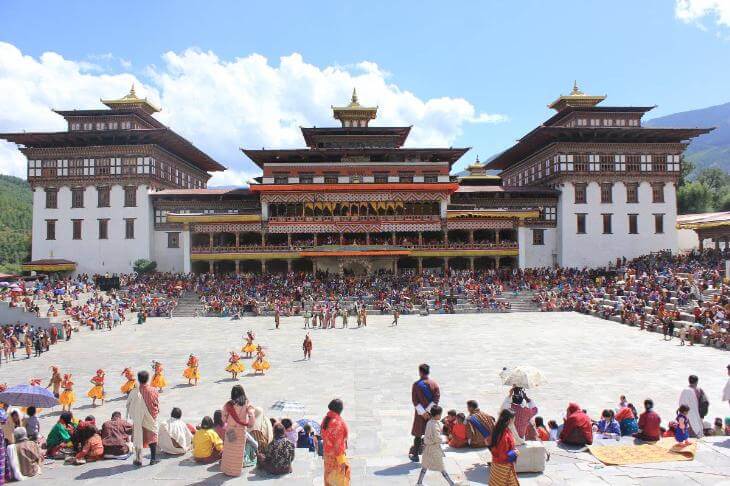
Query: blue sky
(507, 58)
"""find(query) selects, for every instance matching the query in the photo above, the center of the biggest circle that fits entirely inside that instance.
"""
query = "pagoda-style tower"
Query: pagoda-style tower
(354, 115)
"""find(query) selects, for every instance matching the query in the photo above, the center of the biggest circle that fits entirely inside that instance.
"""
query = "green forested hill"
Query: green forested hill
(16, 206)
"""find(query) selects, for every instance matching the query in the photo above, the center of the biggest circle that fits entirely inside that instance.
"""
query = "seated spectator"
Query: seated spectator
(207, 445)
(577, 428)
(448, 421)
(175, 436)
(479, 426)
(218, 425)
(554, 430)
(92, 449)
(649, 422)
(12, 423)
(458, 437)
(542, 432)
(627, 420)
(291, 433)
(608, 424)
(24, 457)
(32, 425)
(279, 454)
(116, 437)
(305, 439)
(83, 431)
(58, 443)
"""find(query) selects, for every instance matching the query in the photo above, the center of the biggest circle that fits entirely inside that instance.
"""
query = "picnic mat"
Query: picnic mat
(666, 450)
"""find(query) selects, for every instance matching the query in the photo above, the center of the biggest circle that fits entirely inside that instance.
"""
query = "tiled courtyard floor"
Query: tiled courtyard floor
(585, 359)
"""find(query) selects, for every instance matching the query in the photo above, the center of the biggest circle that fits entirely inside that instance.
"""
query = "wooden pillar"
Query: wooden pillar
(238, 266)
(342, 238)
(263, 239)
(288, 239)
(717, 243)
(210, 241)
(263, 266)
(471, 236)
(238, 243)
(395, 266)
(367, 238)
(288, 265)
(471, 263)
(496, 262)
(420, 265)
(315, 239)
(210, 266)
(393, 238)
(702, 241)
(446, 264)
(420, 238)
(496, 236)
(446, 237)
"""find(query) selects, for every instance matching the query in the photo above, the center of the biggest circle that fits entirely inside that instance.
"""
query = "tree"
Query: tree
(694, 197)
(688, 167)
(144, 266)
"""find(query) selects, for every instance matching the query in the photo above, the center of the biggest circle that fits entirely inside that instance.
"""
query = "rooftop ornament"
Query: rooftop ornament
(132, 100)
(576, 99)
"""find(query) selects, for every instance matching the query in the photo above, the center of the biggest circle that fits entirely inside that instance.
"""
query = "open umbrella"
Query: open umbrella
(311, 423)
(28, 396)
(522, 376)
(288, 408)
(59, 291)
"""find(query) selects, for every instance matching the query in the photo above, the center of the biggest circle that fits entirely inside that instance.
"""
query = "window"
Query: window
(103, 229)
(380, 177)
(658, 224)
(606, 192)
(281, 179)
(673, 163)
(102, 197)
(77, 197)
(580, 223)
(306, 178)
(405, 177)
(50, 229)
(550, 213)
(632, 192)
(633, 224)
(580, 193)
(430, 178)
(173, 240)
(619, 162)
(538, 237)
(607, 230)
(331, 178)
(76, 223)
(51, 198)
(130, 196)
(129, 228)
(594, 163)
(160, 216)
(657, 192)
(646, 163)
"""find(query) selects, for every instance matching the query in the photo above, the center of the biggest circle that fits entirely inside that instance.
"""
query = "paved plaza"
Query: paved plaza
(587, 360)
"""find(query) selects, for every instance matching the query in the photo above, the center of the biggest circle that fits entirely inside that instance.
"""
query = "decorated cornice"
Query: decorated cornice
(213, 218)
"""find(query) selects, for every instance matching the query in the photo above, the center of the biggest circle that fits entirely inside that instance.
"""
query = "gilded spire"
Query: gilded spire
(354, 115)
(131, 99)
(576, 91)
(576, 98)
(132, 93)
(354, 97)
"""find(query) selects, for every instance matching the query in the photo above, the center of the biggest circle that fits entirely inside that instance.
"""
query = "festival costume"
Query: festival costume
(502, 470)
(334, 439)
(237, 419)
(97, 391)
(192, 372)
(158, 379)
(130, 383)
(261, 364)
(425, 394)
(55, 381)
(249, 348)
(234, 364)
(68, 397)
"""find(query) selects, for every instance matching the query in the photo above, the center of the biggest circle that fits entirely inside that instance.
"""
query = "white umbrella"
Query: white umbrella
(523, 377)
(288, 408)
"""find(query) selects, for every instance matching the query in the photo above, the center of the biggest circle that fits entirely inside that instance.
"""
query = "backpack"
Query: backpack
(704, 403)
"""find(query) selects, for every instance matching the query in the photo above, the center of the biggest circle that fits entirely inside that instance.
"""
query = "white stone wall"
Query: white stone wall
(687, 239)
(594, 248)
(92, 255)
(168, 259)
(536, 256)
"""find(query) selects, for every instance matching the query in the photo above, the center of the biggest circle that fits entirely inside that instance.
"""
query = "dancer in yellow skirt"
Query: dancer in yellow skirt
(97, 391)
(192, 372)
(261, 364)
(131, 383)
(158, 379)
(234, 365)
(68, 397)
(249, 348)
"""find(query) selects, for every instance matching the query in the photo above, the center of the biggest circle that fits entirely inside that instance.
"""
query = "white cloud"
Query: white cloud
(223, 105)
(694, 11)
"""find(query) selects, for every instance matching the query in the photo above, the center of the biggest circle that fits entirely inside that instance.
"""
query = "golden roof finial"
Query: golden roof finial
(132, 93)
(131, 99)
(354, 97)
(576, 91)
(576, 99)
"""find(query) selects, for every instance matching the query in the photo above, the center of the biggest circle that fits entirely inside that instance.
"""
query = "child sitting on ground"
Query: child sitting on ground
(458, 436)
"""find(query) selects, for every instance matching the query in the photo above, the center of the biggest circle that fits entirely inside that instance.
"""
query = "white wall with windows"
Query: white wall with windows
(655, 224)
(537, 247)
(114, 254)
(167, 249)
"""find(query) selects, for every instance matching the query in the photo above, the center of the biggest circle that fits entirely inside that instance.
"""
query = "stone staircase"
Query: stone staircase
(188, 305)
(523, 302)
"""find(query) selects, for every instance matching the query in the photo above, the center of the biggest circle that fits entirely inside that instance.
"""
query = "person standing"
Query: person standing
(694, 398)
(396, 315)
(238, 415)
(143, 405)
(277, 316)
(307, 347)
(334, 438)
(433, 455)
(425, 394)
(726, 390)
(504, 455)
(55, 381)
